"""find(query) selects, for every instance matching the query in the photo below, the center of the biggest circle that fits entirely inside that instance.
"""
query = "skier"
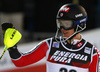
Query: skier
(67, 53)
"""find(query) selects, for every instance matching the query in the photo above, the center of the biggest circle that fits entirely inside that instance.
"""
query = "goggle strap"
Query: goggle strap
(81, 20)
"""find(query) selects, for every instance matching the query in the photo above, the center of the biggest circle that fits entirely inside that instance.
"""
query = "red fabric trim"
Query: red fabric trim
(93, 65)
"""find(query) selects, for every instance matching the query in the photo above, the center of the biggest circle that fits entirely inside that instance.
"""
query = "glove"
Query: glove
(5, 26)
(8, 36)
(11, 37)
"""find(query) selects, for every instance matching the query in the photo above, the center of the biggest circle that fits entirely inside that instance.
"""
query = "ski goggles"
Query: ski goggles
(66, 24)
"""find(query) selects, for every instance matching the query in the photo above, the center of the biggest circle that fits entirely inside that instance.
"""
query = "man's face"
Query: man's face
(67, 24)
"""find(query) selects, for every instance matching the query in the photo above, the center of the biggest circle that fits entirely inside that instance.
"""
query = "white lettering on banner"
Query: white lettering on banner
(66, 57)
(82, 20)
(78, 15)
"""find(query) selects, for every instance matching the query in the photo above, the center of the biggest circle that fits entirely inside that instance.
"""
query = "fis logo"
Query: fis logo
(65, 9)
(56, 44)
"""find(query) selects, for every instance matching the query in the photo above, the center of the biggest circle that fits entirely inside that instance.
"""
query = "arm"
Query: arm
(98, 52)
(94, 66)
(20, 59)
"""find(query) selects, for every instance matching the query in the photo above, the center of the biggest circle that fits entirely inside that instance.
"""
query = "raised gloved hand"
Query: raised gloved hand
(5, 26)
(11, 36)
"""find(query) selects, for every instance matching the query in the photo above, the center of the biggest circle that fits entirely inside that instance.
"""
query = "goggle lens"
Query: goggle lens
(66, 24)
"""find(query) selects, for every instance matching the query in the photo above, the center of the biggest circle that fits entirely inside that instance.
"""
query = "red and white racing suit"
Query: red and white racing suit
(60, 56)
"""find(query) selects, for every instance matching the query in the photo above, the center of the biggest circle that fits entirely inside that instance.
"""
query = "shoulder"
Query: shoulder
(48, 40)
(88, 44)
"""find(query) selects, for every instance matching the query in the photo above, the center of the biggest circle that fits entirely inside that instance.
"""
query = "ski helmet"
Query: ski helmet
(75, 14)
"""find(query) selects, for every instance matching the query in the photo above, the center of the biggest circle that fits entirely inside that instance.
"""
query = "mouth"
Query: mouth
(65, 32)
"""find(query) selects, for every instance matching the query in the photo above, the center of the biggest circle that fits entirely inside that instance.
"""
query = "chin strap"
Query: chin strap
(72, 37)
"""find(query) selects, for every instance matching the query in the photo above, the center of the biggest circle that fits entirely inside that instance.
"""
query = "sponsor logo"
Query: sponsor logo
(66, 57)
(83, 20)
(78, 15)
(87, 50)
(56, 44)
(65, 9)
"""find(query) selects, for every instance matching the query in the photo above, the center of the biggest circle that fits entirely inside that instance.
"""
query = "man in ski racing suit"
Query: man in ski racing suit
(66, 53)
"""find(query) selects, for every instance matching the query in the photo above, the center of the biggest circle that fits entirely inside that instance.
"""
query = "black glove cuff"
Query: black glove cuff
(14, 53)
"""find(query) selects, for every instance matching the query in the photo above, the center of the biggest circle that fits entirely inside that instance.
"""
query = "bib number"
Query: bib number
(65, 70)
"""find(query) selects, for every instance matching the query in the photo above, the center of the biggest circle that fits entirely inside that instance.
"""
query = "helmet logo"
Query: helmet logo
(81, 20)
(78, 15)
(64, 9)
(61, 14)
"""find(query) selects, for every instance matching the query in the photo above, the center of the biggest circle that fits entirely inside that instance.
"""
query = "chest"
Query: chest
(65, 55)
